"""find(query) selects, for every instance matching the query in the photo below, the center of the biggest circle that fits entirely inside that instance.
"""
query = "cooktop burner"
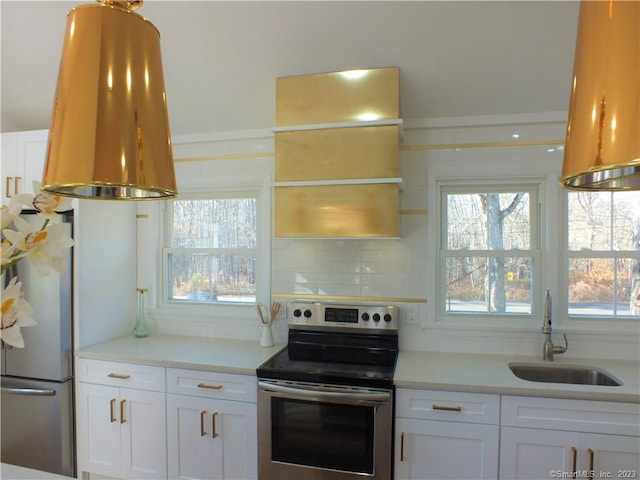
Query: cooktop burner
(282, 367)
(339, 345)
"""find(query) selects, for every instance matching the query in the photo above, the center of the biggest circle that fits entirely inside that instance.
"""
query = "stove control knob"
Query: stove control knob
(297, 312)
(387, 317)
(376, 317)
(307, 313)
(365, 316)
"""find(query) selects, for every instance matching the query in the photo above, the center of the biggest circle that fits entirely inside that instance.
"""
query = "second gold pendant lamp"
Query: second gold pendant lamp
(602, 150)
(110, 136)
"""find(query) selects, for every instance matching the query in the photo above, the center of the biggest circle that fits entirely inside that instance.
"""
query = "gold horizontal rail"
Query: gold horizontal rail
(226, 156)
(453, 146)
(350, 298)
(403, 148)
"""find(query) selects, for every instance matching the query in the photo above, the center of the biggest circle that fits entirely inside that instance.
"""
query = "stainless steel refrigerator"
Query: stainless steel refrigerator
(37, 429)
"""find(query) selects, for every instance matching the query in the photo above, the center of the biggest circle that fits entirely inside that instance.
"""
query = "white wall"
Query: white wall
(400, 271)
(105, 270)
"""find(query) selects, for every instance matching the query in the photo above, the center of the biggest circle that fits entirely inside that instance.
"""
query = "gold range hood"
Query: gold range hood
(602, 150)
(109, 136)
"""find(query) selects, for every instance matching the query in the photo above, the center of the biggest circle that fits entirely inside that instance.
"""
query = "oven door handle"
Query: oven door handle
(353, 396)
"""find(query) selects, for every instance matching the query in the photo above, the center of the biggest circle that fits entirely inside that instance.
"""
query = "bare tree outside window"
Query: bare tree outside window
(488, 261)
(496, 216)
(604, 254)
(212, 252)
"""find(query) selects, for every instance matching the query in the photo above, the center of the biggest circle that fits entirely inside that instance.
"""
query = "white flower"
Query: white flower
(42, 246)
(16, 313)
(47, 203)
(7, 250)
(11, 211)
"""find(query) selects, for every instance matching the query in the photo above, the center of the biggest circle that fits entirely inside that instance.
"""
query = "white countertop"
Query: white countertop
(14, 472)
(199, 353)
(485, 373)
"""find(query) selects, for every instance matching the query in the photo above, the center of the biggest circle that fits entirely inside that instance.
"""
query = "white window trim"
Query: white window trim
(221, 314)
(536, 187)
(553, 242)
(595, 325)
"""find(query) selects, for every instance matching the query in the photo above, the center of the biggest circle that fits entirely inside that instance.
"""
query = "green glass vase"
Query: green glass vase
(141, 329)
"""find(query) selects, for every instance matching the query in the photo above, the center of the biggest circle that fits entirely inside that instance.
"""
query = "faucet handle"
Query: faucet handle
(560, 348)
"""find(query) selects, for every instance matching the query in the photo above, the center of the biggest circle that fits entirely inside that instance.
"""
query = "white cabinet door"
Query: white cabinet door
(10, 166)
(121, 432)
(192, 450)
(563, 437)
(98, 429)
(209, 438)
(23, 159)
(427, 449)
(143, 434)
(610, 456)
(528, 453)
(34, 146)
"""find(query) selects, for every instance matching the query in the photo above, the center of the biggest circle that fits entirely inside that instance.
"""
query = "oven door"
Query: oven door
(314, 431)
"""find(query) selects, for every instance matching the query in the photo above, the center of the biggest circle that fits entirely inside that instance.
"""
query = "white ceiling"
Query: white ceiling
(221, 59)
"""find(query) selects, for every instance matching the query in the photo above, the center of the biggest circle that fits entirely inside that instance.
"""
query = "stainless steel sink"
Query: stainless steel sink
(581, 375)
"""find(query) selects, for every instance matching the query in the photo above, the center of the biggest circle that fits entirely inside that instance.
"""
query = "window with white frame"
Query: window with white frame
(603, 243)
(489, 251)
(211, 249)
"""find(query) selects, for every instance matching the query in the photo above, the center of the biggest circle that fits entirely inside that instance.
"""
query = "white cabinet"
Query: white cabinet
(23, 159)
(9, 166)
(211, 425)
(446, 435)
(543, 435)
(121, 419)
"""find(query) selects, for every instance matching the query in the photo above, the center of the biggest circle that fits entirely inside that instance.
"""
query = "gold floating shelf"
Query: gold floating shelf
(349, 96)
(337, 153)
(337, 211)
(332, 130)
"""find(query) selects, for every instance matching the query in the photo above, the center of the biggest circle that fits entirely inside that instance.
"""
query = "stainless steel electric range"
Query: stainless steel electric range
(325, 402)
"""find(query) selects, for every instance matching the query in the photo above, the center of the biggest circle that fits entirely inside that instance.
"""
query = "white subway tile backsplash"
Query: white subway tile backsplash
(308, 289)
(340, 290)
(339, 278)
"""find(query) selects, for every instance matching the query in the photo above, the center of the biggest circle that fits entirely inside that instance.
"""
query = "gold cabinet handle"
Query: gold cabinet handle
(402, 446)
(7, 187)
(446, 408)
(591, 455)
(212, 387)
(203, 432)
(214, 434)
(574, 460)
(121, 376)
(122, 407)
(112, 408)
(15, 185)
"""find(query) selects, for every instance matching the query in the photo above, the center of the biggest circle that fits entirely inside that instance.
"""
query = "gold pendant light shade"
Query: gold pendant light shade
(602, 150)
(109, 136)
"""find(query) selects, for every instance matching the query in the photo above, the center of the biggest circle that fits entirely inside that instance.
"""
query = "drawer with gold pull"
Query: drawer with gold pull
(121, 374)
(225, 386)
(444, 405)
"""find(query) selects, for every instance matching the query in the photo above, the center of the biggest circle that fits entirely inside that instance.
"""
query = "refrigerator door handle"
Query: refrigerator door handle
(29, 391)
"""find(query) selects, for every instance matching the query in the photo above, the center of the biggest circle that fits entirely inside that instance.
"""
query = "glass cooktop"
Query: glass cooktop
(340, 359)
